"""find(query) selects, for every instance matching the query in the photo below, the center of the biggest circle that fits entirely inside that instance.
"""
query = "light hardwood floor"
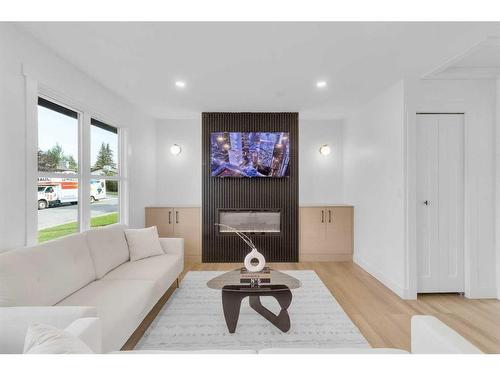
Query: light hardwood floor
(384, 318)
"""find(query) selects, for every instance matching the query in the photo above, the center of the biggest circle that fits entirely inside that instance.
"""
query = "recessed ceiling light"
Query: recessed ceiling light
(180, 84)
(321, 84)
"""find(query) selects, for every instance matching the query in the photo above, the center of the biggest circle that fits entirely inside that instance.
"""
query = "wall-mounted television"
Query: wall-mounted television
(246, 154)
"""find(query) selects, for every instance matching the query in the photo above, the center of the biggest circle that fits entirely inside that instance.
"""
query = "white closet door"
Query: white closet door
(440, 203)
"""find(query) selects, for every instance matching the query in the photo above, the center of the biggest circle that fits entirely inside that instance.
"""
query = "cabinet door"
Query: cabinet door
(163, 218)
(312, 231)
(187, 225)
(339, 230)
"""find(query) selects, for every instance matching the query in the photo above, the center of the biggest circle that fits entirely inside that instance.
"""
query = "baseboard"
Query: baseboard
(146, 322)
(481, 292)
(388, 282)
(325, 257)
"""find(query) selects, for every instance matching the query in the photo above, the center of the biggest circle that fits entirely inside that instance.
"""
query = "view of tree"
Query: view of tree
(72, 162)
(105, 162)
(104, 158)
(54, 158)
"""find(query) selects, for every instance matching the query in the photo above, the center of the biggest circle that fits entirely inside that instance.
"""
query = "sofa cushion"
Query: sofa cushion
(108, 248)
(46, 339)
(161, 269)
(45, 274)
(143, 243)
(121, 305)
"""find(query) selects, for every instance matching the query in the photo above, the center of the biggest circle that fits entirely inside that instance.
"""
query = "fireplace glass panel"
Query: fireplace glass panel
(250, 221)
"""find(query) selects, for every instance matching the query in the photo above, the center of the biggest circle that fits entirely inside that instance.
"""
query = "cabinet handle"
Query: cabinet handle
(322, 216)
(170, 217)
(329, 216)
(176, 217)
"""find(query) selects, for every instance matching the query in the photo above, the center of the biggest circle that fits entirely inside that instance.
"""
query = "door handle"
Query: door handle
(426, 203)
(322, 216)
(176, 217)
(329, 216)
(170, 217)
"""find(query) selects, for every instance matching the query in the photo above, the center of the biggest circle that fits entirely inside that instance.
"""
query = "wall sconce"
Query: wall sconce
(175, 149)
(325, 150)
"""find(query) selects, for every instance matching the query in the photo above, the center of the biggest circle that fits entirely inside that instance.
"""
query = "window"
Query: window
(58, 129)
(104, 169)
(63, 173)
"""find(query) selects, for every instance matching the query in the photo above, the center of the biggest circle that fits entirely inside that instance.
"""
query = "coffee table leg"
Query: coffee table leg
(231, 303)
(282, 320)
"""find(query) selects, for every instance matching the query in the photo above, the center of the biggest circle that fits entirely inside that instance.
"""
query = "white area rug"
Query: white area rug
(192, 319)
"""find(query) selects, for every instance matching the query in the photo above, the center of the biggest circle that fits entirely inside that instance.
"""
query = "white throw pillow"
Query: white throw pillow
(143, 243)
(108, 248)
(45, 339)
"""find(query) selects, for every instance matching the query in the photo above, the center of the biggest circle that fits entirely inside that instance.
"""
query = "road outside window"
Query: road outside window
(104, 209)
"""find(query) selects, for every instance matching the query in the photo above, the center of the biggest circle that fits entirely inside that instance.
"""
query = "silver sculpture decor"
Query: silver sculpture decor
(253, 254)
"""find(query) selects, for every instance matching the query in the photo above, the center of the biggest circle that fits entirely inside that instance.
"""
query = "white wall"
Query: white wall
(497, 185)
(179, 177)
(320, 177)
(17, 49)
(380, 178)
(374, 182)
(477, 100)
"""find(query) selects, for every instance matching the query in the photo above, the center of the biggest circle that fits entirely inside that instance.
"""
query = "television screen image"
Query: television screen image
(237, 154)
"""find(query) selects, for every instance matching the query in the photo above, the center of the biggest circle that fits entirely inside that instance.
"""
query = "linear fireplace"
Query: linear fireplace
(253, 221)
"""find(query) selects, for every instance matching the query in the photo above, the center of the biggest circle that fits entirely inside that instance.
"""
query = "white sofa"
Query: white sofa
(428, 336)
(86, 275)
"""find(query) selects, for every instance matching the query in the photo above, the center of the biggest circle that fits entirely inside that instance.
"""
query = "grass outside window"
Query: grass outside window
(62, 230)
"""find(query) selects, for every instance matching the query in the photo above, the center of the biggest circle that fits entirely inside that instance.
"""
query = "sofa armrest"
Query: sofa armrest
(173, 245)
(14, 322)
(88, 330)
(431, 336)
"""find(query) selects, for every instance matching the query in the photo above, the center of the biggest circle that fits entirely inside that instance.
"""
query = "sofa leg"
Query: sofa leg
(177, 282)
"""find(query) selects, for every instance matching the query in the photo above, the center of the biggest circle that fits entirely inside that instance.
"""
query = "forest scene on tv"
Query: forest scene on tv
(237, 154)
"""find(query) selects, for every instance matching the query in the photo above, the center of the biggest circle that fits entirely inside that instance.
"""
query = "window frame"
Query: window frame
(76, 176)
(118, 177)
(34, 91)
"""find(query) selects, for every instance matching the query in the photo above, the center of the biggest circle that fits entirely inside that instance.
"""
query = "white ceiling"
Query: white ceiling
(482, 61)
(255, 66)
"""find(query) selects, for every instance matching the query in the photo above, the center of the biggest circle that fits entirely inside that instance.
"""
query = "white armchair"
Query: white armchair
(429, 335)
(14, 323)
(89, 330)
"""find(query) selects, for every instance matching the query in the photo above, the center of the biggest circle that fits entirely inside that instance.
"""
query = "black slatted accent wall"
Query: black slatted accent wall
(250, 193)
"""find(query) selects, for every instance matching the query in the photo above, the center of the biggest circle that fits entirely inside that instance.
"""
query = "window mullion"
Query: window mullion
(123, 173)
(31, 234)
(83, 173)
